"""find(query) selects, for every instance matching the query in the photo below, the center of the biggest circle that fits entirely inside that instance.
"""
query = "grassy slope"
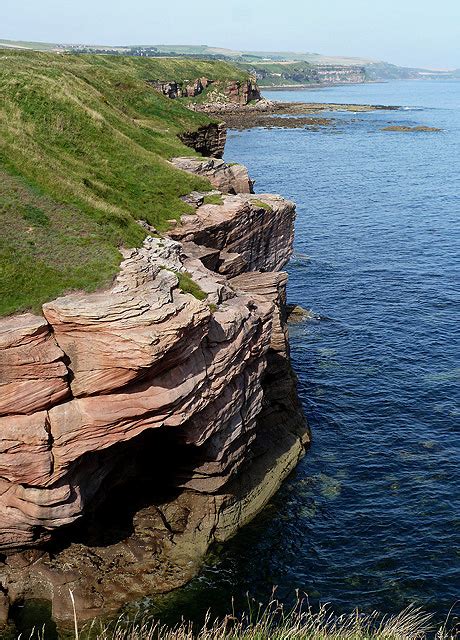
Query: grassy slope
(84, 143)
(23, 44)
(204, 50)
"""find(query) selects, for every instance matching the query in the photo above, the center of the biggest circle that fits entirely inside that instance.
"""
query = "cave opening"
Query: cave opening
(143, 472)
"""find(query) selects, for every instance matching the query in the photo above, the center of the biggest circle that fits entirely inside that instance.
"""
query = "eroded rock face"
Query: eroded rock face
(156, 421)
(33, 375)
(173, 89)
(226, 178)
(251, 232)
(209, 140)
(141, 356)
(242, 92)
(237, 92)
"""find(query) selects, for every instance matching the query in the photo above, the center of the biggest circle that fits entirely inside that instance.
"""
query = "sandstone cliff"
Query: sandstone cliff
(291, 74)
(239, 92)
(209, 140)
(142, 423)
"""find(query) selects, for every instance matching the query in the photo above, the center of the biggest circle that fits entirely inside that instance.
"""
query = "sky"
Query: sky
(405, 32)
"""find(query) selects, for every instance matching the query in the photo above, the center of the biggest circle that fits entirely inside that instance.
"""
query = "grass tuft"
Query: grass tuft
(262, 205)
(187, 285)
(213, 199)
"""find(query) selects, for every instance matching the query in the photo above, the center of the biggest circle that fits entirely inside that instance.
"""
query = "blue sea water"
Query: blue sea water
(371, 516)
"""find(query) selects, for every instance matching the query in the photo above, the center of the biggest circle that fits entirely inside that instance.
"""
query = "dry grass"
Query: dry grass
(274, 622)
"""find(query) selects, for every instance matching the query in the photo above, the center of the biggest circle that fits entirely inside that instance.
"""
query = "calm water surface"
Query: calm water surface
(371, 516)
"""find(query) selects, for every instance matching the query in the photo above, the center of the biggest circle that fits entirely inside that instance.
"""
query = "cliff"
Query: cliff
(141, 422)
(238, 92)
(287, 74)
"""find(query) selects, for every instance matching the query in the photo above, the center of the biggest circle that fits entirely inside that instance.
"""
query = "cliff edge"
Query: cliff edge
(144, 421)
(164, 406)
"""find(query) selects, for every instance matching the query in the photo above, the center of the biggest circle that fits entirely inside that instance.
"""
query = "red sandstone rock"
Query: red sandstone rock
(252, 232)
(142, 356)
(25, 449)
(209, 379)
(32, 372)
(209, 140)
(227, 178)
(272, 286)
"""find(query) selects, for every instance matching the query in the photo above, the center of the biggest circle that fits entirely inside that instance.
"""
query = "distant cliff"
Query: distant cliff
(286, 74)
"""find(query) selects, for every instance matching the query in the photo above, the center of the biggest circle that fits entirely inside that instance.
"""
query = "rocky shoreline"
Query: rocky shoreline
(267, 113)
(143, 423)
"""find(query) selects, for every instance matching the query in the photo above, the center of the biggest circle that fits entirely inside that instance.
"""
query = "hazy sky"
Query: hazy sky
(406, 32)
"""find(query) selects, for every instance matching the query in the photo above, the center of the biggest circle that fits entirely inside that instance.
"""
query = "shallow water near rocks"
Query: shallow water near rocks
(371, 516)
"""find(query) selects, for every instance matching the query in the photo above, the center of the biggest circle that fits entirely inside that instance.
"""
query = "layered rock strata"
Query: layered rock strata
(227, 178)
(239, 92)
(251, 232)
(209, 140)
(298, 75)
(187, 89)
(142, 423)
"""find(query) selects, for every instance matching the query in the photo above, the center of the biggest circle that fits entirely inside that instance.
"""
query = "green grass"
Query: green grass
(275, 622)
(262, 204)
(84, 149)
(213, 199)
(22, 44)
(279, 74)
(187, 285)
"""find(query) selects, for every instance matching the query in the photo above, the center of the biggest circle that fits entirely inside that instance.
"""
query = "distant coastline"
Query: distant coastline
(314, 85)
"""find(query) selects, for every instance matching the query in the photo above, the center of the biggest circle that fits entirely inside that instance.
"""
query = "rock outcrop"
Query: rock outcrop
(142, 423)
(238, 92)
(224, 177)
(186, 89)
(209, 140)
(251, 232)
(33, 373)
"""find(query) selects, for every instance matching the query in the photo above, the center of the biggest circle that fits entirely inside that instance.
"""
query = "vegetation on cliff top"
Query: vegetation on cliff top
(275, 622)
(213, 198)
(84, 149)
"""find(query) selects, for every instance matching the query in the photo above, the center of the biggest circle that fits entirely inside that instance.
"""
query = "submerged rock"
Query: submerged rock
(296, 313)
(405, 128)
